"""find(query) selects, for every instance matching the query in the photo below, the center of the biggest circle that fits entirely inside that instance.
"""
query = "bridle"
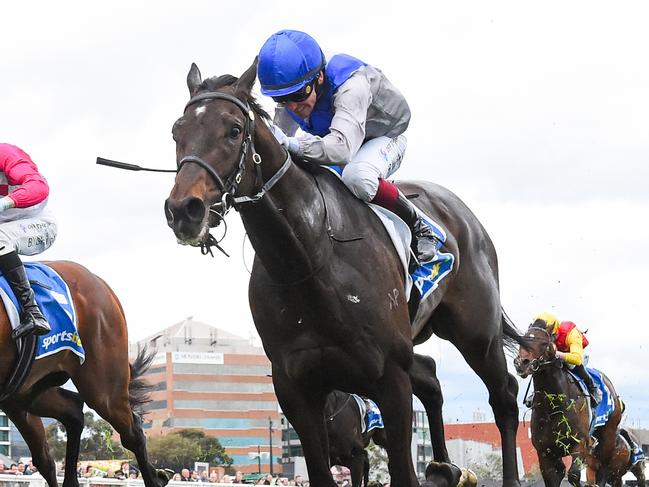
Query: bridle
(230, 185)
(332, 416)
(540, 361)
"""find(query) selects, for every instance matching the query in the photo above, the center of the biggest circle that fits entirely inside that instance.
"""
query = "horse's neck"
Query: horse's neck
(552, 382)
(287, 227)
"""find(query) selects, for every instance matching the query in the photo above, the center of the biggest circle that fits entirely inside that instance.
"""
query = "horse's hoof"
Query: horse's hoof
(443, 474)
(163, 476)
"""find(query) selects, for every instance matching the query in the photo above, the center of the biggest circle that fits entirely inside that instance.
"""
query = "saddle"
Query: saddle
(27, 346)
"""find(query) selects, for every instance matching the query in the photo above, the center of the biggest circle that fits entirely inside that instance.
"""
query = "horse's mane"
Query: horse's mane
(217, 82)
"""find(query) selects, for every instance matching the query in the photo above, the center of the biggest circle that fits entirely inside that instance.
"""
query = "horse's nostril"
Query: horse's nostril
(194, 209)
(168, 213)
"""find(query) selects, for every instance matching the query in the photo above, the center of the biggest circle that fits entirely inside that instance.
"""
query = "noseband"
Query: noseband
(231, 184)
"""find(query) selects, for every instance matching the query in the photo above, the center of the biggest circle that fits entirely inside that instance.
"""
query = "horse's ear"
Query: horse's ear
(193, 79)
(247, 79)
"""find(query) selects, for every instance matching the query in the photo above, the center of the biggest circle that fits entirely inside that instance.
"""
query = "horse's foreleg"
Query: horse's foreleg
(305, 411)
(574, 473)
(366, 469)
(591, 476)
(356, 465)
(31, 429)
(552, 470)
(503, 388)
(425, 385)
(638, 471)
(394, 397)
(67, 407)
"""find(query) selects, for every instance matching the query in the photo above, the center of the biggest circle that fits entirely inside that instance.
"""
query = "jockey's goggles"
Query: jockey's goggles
(297, 96)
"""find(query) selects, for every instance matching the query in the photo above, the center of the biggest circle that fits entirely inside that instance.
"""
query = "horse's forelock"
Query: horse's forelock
(217, 83)
(538, 324)
(530, 338)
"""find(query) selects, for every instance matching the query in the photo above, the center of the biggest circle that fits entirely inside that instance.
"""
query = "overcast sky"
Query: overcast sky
(535, 113)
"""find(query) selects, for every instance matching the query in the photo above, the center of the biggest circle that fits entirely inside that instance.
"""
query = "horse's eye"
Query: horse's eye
(235, 132)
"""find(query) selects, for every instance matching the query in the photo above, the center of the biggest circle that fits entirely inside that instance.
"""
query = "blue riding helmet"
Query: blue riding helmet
(288, 61)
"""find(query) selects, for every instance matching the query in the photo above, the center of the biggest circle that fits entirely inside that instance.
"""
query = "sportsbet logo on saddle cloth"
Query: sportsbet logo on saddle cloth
(54, 299)
(371, 417)
(606, 405)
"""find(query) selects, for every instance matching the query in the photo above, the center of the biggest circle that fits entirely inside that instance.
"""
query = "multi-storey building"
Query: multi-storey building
(5, 435)
(210, 379)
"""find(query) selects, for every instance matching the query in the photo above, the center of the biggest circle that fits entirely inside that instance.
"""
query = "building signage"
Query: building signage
(197, 358)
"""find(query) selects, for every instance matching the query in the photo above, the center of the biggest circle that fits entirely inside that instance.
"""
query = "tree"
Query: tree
(490, 468)
(378, 463)
(55, 435)
(97, 440)
(184, 447)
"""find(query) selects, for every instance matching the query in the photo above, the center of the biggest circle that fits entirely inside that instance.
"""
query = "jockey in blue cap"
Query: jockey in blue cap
(351, 116)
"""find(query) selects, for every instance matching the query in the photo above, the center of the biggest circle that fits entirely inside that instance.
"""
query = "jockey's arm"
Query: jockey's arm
(284, 121)
(22, 172)
(576, 354)
(347, 131)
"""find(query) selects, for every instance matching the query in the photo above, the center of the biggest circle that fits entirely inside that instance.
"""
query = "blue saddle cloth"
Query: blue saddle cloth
(606, 406)
(636, 457)
(373, 418)
(427, 276)
(55, 301)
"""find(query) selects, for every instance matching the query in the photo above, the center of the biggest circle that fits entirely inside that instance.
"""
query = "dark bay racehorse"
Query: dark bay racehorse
(347, 444)
(560, 420)
(106, 381)
(619, 465)
(327, 288)
(621, 462)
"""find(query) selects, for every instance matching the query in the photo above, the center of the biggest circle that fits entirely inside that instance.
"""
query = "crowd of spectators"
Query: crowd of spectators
(18, 468)
(187, 475)
(127, 471)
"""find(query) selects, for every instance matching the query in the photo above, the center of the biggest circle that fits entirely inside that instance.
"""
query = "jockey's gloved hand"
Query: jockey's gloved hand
(289, 143)
(6, 203)
(560, 356)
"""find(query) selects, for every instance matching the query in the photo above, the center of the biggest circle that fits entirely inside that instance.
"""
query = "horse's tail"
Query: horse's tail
(139, 390)
(512, 337)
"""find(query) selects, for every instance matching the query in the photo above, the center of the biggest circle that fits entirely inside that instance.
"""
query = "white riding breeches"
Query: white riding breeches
(28, 236)
(376, 159)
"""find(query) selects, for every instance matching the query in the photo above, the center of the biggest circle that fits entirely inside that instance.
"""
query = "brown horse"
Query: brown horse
(106, 381)
(327, 287)
(561, 419)
(620, 464)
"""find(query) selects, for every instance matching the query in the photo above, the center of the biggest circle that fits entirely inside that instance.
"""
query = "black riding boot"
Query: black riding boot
(593, 390)
(424, 241)
(31, 318)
